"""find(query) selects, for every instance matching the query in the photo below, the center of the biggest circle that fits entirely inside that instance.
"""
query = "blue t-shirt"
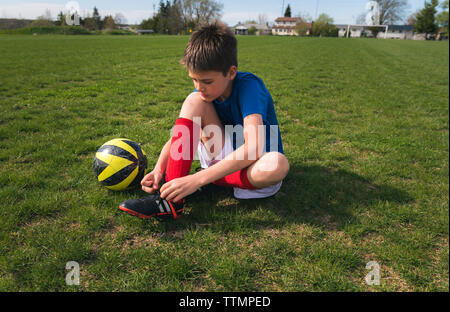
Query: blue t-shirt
(250, 96)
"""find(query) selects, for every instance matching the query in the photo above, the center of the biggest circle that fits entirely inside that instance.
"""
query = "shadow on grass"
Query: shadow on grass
(325, 197)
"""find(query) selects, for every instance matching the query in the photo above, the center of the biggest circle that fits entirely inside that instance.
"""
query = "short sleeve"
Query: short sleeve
(253, 98)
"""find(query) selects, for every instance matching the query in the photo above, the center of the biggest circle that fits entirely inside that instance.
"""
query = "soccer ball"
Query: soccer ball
(120, 164)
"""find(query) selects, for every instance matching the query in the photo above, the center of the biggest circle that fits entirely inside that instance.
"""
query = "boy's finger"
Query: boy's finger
(147, 189)
(147, 182)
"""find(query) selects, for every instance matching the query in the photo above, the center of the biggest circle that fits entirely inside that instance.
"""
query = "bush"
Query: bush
(47, 30)
(74, 30)
(252, 30)
(119, 32)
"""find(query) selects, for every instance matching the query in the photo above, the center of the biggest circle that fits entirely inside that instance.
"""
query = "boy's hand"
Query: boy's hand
(178, 189)
(150, 183)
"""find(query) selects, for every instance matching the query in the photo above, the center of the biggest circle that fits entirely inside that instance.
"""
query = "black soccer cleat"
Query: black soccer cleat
(153, 206)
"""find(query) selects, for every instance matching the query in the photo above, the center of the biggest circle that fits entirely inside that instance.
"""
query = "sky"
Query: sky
(234, 11)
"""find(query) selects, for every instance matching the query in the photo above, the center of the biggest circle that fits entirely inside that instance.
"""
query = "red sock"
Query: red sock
(185, 139)
(237, 179)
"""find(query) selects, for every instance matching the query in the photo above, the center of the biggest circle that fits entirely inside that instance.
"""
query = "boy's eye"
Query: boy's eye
(205, 82)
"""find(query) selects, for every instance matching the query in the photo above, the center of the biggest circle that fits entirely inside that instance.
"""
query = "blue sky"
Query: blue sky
(343, 11)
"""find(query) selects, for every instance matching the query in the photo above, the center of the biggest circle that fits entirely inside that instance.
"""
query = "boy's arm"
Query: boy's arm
(150, 182)
(241, 158)
(163, 158)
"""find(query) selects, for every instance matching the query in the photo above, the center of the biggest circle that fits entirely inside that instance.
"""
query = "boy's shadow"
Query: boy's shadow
(316, 195)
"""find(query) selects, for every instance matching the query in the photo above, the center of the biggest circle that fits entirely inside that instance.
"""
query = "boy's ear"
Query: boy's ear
(232, 72)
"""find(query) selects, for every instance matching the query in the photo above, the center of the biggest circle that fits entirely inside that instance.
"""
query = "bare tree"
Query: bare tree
(120, 19)
(47, 15)
(43, 20)
(305, 17)
(392, 11)
(262, 19)
(199, 11)
(412, 19)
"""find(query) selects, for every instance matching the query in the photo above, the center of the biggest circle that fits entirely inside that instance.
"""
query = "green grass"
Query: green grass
(364, 125)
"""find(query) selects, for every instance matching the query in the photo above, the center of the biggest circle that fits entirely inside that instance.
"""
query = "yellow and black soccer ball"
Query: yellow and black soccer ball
(120, 164)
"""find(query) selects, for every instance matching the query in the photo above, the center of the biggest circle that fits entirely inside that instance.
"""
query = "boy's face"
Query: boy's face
(212, 85)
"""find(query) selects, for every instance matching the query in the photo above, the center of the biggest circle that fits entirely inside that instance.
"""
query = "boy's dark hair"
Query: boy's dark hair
(211, 47)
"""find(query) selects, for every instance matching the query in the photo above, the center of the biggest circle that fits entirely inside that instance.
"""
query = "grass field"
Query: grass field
(364, 124)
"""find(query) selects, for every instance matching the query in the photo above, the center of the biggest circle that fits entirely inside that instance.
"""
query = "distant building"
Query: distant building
(398, 32)
(393, 31)
(240, 30)
(145, 31)
(442, 34)
(125, 27)
(260, 30)
(285, 26)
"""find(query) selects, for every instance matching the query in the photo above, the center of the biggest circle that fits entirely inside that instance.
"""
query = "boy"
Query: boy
(225, 103)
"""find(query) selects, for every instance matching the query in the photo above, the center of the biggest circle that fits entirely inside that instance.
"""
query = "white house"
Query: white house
(398, 32)
(393, 31)
(285, 26)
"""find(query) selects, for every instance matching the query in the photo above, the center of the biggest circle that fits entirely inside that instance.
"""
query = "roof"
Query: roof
(401, 27)
(287, 19)
(284, 27)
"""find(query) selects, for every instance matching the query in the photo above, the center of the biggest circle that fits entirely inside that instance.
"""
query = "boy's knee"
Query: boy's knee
(273, 167)
(193, 106)
(283, 165)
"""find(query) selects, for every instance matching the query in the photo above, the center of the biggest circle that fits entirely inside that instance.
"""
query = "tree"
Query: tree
(120, 19)
(168, 20)
(302, 28)
(175, 16)
(61, 19)
(109, 23)
(392, 11)
(182, 16)
(97, 18)
(252, 30)
(443, 16)
(149, 24)
(361, 19)
(200, 11)
(262, 19)
(288, 13)
(426, 19)
(412, 19)
(43, 20)
(324, 27)
(90, 24)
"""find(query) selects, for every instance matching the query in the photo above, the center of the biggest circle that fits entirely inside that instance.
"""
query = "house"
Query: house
(240, 30)
(386, 31)
(398, 32)
(285, 26)
(125, 27)
(260, 30)
(144, 31)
